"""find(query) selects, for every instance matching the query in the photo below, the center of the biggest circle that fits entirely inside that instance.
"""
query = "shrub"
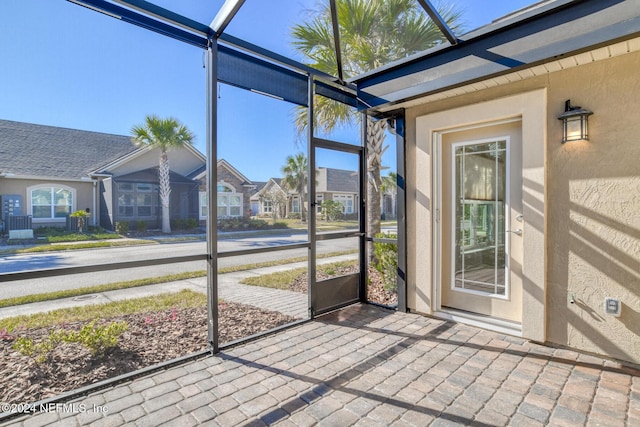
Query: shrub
(331, 210)
(387, 261)
(141, 226)
(191, 223)
(293, 215)
(241, 223)
(122, 227)
(95, 338)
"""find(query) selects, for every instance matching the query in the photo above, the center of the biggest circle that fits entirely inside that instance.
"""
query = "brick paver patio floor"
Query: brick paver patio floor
(367, 366)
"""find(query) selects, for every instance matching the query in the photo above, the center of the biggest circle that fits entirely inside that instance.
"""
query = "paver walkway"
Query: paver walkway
(367, 366)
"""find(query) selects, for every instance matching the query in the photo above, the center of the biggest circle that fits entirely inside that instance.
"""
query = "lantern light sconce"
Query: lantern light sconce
(574, 123)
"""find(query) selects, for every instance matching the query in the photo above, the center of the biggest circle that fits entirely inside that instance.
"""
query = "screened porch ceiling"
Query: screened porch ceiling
(540, 33)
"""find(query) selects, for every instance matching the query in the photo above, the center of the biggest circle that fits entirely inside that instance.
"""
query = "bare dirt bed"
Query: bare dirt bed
(151, 338)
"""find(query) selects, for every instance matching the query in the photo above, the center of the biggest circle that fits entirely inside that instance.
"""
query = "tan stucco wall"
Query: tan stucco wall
(84, 196)
(594, 211)
(591, 205)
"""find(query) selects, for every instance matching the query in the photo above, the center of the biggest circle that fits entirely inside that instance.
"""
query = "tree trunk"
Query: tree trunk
(165, 191)
(375, 140)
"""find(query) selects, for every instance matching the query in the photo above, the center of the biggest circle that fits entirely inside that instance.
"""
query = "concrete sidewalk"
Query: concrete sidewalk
(230, 289)
(366, 366)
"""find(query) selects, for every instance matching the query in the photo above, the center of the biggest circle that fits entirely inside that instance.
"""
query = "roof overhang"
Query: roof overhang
(49, 179)
(542, 34)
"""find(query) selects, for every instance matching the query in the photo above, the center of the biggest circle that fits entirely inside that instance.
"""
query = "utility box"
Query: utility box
(11, 204)
(612, 306)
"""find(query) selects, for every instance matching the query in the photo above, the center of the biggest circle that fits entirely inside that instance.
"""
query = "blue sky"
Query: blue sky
(64, 65)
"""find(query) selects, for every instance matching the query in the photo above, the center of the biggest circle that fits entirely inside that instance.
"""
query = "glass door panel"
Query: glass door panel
(481, 236)
(337, 240)
(479, 210)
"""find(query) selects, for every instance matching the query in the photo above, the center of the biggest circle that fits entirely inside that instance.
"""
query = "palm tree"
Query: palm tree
(389, 187)
(295, 177)
(372, 33)
(163, 134)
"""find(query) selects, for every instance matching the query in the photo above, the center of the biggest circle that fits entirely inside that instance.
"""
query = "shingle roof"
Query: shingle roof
(259, 186)
(48, 151)
(342, 180)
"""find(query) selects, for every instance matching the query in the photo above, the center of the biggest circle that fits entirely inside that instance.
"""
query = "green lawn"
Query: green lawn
(183, 299)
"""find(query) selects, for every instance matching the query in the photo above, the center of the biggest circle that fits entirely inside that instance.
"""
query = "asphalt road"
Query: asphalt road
(27, 262)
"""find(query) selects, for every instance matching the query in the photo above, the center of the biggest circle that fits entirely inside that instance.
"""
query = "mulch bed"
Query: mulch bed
(375, 291)
(151, 338)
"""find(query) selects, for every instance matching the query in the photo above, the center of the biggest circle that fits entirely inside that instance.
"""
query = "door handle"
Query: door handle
(517, 231)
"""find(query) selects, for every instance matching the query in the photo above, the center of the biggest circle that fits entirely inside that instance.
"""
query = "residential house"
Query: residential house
(48, 172)
(233, 192)
(331, 184)
(272, 199)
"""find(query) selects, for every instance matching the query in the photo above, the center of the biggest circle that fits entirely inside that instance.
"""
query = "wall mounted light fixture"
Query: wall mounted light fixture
(574, 123)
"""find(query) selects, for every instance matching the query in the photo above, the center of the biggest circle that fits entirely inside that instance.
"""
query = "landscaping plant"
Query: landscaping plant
(386, 261)
(96, 338)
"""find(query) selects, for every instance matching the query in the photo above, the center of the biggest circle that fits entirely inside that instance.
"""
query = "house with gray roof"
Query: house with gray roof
(331, 184)
(48, 172)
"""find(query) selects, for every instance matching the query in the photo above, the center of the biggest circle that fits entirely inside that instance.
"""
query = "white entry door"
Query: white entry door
(481, 221)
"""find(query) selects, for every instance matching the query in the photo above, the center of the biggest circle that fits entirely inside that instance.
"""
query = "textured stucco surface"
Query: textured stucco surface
(594, 211)
(590, 203)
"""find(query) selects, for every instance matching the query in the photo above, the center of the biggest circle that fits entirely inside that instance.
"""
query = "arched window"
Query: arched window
(229, 202)
(51, 201)
(223, 187)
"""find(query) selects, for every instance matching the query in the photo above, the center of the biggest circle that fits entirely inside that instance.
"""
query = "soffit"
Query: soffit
(598, 54)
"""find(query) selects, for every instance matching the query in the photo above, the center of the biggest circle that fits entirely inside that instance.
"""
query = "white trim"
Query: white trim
(200, 206)
(484, 322)
(84, 179)
(124, 159)
(230, 168)
(29, 205)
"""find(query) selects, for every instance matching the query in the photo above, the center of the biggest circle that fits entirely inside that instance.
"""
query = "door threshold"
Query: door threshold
(481, 321)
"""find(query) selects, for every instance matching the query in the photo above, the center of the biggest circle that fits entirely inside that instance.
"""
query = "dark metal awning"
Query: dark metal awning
(549, 32)
(544, 32)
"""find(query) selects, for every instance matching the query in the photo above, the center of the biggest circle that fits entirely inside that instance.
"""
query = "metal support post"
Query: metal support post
(212, 202)
(311, 195)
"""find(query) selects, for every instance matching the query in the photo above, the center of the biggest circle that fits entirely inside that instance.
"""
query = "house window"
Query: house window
(144, 188)
(229, 202)
(346, 201)
(144, 204)
(51, 202)
(137, 199)
(203, 205)
(125, 205)
(267, 206)
(319, 200)
(295, 206)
